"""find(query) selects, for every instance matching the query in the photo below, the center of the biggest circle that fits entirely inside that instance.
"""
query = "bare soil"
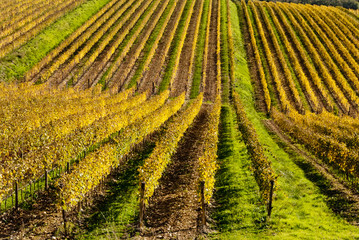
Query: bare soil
(151, 78)
(173, 211)
(210, 90)
(180, 82)
(38, 222)
(124, 70)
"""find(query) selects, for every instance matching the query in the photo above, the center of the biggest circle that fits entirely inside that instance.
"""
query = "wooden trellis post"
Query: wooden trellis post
(46, 180)
(203, 203)
(65, 221)
(270, 198)
(16, 196)
(142, 206)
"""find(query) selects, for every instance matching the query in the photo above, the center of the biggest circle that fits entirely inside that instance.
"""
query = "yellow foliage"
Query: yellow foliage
(154, 166)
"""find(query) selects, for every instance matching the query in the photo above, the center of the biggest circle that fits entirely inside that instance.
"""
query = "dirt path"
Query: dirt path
(152, 76)
(38, 222)
(173, 210)
(180, 83)
(210, 89)
(349, 207)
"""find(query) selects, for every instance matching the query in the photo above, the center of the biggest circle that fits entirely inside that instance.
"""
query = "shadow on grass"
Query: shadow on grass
(237, 198)
(117, 214)
(335, 199)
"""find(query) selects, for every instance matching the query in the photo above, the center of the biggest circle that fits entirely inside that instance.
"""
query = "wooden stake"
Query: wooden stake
(46, 180)
(16, 197)
(64, 218)
(142, 206)
(270, 198)
(203, 203)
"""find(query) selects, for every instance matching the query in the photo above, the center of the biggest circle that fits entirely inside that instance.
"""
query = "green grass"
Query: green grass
(300, 209)
(18, 62)
(118, 213)
(199, 53)
(237, 193)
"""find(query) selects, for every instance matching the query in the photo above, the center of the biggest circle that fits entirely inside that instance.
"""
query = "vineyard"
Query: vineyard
(311, 86)
(178, 119)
